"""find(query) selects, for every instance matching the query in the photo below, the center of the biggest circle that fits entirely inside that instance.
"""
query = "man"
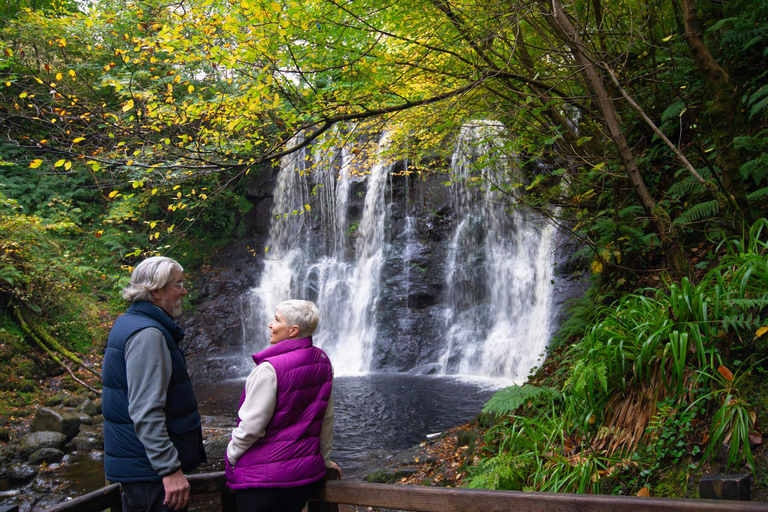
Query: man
(152, 430)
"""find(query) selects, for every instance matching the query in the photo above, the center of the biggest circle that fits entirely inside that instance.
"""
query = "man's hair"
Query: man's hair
(302, 313)
(151, 274)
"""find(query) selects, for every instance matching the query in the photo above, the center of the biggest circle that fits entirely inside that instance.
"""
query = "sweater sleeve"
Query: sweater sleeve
(326, 433)
(256, 411)
(148, 371)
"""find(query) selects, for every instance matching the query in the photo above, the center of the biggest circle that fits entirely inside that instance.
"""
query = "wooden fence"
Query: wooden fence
(330, 493)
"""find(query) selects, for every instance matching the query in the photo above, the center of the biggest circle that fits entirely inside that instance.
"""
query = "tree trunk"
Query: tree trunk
(662, 224)
(721, 113)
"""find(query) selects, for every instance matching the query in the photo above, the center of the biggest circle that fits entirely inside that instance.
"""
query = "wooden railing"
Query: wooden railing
(330, 493)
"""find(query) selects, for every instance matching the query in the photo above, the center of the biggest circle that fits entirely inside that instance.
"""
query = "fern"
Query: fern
(698, 212)
(758, 195)
(673, 111)
(687, 186)
(758, 101)
(509, 399)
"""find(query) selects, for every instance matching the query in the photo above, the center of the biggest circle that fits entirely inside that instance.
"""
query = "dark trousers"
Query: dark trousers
(144, 497)
(272, 499)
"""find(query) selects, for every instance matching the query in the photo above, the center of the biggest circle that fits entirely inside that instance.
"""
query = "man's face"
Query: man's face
(169, 298)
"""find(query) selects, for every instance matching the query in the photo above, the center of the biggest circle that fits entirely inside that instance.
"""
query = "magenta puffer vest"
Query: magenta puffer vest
(289, 453)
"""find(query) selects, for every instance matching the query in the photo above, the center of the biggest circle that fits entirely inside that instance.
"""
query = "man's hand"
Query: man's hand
(176, 490)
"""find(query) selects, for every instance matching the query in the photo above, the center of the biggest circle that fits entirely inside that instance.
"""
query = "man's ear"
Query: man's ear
(156, 295)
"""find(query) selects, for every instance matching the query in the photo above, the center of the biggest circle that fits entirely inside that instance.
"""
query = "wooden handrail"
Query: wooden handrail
(418, 498)
(430, 499)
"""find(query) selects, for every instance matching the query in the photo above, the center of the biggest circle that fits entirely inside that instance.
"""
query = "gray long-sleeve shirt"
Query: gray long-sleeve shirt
(148, 369)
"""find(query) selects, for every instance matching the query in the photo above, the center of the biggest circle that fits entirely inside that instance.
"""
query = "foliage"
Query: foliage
(656, 388)
(509, 399)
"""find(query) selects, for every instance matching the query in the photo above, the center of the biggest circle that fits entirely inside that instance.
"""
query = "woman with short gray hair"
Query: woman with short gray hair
(282, 442)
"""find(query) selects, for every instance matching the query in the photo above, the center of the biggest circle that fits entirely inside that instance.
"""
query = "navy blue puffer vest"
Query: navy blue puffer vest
(125, 459)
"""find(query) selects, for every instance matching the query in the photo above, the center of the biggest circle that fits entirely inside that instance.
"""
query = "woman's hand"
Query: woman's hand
(335, 466)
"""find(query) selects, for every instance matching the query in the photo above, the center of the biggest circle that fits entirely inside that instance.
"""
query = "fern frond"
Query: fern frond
(509, 399)
(687, 186)
(673, 111)
(758, 195)
(699, 212)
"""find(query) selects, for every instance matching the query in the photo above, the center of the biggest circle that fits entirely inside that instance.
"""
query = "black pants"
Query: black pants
(144, 497)
(272, 499)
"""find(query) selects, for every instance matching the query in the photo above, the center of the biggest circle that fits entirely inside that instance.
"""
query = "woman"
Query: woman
(282, 442)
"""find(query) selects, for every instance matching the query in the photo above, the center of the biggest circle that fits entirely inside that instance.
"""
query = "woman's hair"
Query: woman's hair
(151, 274)
(302, 313)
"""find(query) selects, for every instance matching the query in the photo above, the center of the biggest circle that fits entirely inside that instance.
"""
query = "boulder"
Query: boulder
(47, 455)
(54, 420)
(21, 473)
(63, 398)
(217, 448)
(87, 441)
(89, 407)
(33, 442)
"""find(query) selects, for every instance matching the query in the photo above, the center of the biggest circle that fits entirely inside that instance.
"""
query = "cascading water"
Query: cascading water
(353, 244)
(313, 264)
(498, 275)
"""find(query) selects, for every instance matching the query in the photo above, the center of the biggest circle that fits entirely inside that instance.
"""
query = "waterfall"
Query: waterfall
(339, 236)
(498, 274)
(303, 261)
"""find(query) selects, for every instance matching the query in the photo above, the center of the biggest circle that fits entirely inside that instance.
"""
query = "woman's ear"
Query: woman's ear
(293, 331)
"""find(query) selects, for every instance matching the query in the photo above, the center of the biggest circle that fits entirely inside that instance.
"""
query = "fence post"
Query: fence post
(322, 506)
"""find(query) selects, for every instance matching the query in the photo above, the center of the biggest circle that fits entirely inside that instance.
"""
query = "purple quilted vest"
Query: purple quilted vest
(289, 453)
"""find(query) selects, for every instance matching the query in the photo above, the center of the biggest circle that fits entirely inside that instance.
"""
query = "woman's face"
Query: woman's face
(280, 329)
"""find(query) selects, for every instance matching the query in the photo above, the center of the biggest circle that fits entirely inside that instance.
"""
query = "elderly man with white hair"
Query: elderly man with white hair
(152, 429)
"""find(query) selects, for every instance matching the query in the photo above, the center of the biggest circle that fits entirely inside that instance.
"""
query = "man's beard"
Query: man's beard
(174, 309)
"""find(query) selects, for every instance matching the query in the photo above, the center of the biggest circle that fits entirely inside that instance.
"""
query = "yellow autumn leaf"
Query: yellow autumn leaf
(128, 105)
(35, 163)
(67, 165)
(79, 139)
(276, 7)
(88, 22)
(113, 194)
(191, 88)
(761, 331)
(59, 163)
(597, 267)
(59, 76)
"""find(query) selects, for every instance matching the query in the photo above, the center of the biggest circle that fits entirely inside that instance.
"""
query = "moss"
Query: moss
(672, 483)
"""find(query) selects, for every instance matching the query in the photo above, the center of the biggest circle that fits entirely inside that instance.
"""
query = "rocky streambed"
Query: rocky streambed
(60, 454)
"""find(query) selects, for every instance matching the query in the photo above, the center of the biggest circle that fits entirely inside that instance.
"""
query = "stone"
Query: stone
(216, 448)
(63, 398)
(30, 443)
(9, 508)
(88, 407)
(726, 487)
(88, 441)
(47, 455)
(21, 473)
(84, 418)
(53, 420)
